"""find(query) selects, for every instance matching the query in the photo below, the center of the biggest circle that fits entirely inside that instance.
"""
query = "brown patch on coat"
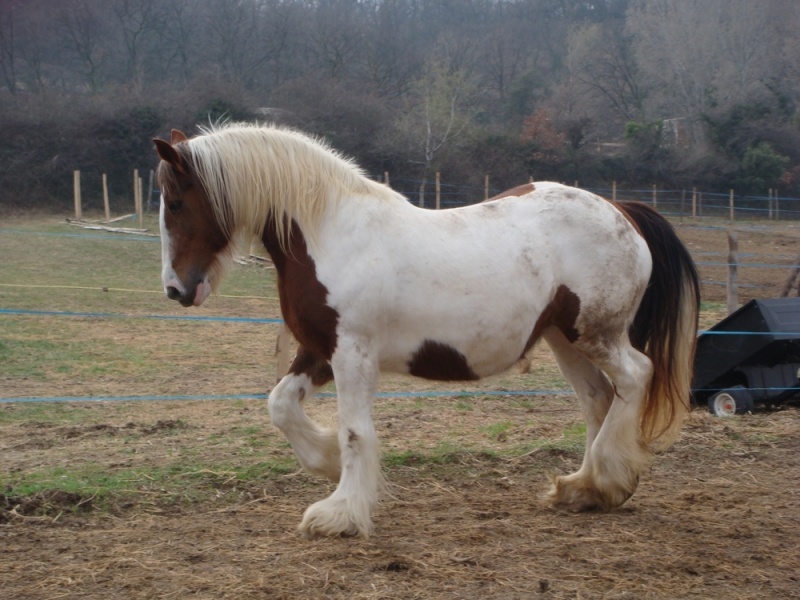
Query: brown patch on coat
(441, 362)
(316, 368)
(303, 297)
(562, 312)
(520, 190)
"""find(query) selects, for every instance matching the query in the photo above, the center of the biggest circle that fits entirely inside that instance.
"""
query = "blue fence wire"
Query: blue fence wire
(422, 394)
(425, 394)
(60, 313)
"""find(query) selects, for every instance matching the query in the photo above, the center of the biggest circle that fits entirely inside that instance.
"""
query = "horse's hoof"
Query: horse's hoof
(575, 494)
(329, 518)
(314, 534)
(580, 494)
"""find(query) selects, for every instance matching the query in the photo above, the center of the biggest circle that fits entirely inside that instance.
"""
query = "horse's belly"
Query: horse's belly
(441, 362)
(445, 351)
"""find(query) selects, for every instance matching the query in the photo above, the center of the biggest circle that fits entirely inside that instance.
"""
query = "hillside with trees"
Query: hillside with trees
(676, 93)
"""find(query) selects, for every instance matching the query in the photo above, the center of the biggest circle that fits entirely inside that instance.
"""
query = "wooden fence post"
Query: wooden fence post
(150, 189)
(76, 182)
(790, 282)
(137, 196)
(733, 267)
(655, 195)
(105, 198)
(486, 187)
(386, 178)
(438, 190)
(683, 201)
(769, 204)
(135, 192)
(730, 206)
(613, 191)
(141, 202)
(694, 202)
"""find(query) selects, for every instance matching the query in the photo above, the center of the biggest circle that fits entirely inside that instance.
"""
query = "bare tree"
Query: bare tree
(178, 35)
(601, 59)
(82, 25)
(439, 110)
(244, 37)
(139, 24)
(337, 34)
(38, 48)
(392, 54)
(8, 44)
(701, 55)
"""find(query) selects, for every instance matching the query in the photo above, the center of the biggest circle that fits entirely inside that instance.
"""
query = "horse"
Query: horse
(370, 283)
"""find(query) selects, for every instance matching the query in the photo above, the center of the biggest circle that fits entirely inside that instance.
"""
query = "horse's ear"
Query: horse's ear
(167, 153)
(178, 136)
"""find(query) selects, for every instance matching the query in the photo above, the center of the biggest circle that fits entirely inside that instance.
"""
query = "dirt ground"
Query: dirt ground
(717, 517)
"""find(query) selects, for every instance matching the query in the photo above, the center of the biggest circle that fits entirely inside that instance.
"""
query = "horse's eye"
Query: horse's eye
(174, 206)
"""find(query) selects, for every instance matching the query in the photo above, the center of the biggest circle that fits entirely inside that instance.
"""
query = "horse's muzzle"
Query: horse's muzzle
(174, 293)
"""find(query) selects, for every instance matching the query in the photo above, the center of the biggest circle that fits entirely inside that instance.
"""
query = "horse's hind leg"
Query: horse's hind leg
(616, 456)
(590, 384)
(317, 448)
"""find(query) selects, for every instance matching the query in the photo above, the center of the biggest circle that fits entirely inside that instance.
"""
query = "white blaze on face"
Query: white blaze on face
(168, 276)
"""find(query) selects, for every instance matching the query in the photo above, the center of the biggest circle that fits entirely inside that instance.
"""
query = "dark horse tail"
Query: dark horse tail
(665, 326)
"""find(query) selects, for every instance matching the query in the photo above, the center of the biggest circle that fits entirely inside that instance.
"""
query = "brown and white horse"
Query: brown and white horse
(370, 283)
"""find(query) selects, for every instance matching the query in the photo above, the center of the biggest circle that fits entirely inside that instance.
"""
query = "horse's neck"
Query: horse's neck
(294, 251)
(269, 238)
(302, 296)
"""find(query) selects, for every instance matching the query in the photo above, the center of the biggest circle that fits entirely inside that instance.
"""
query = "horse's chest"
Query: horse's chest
(307, 315)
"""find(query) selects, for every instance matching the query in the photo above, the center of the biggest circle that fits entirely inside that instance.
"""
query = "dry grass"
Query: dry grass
(717, 517)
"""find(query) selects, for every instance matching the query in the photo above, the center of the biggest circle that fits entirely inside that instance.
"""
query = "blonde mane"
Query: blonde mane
(251, 172)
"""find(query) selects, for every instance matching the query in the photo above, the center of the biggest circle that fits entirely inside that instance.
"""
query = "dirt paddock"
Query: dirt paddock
(716, 518)
(202, 498)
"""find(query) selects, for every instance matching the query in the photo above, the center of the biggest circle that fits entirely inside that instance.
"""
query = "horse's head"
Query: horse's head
(193, 245)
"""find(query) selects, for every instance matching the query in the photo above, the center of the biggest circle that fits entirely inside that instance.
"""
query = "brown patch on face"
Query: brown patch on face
(520, 190)
(561, 312)
(302, 296)
(195, 237)
(307, 363)
(434, 360)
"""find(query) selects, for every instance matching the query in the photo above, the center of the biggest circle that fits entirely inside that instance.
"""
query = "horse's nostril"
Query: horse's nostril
(173, 293)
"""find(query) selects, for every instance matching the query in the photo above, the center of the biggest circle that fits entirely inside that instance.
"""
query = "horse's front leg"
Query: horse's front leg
(317, 448)
(348, 511)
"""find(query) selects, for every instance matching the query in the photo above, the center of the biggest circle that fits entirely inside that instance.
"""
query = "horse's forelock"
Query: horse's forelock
(165, 178)
(168, 177)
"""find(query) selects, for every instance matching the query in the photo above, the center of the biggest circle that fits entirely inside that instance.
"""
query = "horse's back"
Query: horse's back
(478, 279)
